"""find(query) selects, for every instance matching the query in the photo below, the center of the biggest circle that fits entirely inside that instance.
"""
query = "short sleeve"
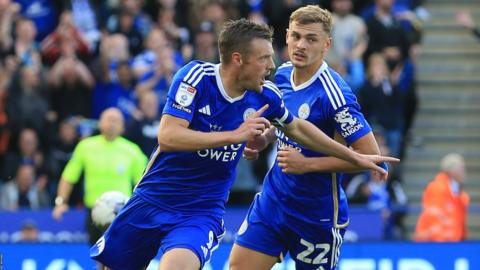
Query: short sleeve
(277, 113)
(342, 106)
(183, 94)
(351, 123)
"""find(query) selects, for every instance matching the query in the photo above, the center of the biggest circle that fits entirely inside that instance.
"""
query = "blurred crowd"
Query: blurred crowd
(63, 62)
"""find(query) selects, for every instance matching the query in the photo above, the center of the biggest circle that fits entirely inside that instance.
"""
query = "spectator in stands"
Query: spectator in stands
(156, 66)
(215, 11)
(108, 161)
(143, 127)
(350, 35)
(386, 35)
(177, 35)
(149, 60)
(126, 28)
(382, 101)
(66, 34)
(8, 11)
(349, 31)
(25, 48)
(44, 13)
(141, 22)
(25, 191)
(113, 50)
(465, 19)
(28, 103)
(387, 196)
(28, 152)
(445, 204)
(277, 13)
(5, 130)
(63, 143)
(28, 233)
(84, 17)
(119, 93)
(72, 83)
(205, 43)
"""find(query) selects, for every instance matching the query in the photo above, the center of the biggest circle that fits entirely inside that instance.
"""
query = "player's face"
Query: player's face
(307, 44)
(257, 65)
(111, 123)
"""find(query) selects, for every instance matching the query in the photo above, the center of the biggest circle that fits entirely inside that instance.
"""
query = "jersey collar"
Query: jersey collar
(222, 89)
(304, 85)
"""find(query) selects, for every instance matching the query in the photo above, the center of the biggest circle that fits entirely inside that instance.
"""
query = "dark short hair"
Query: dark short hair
(236, 36)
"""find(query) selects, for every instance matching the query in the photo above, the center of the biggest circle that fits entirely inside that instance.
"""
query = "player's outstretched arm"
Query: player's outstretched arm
(174, 134)
(311, 137)
(293, 162)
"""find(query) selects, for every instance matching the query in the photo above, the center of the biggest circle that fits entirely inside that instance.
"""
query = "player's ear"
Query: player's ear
(328, 44)
(237, 58)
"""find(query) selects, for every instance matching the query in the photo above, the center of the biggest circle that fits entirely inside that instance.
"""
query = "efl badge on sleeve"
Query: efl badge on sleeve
(185, 94)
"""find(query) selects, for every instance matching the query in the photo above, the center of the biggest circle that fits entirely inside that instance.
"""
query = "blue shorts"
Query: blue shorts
(267, 230)
(141, 229)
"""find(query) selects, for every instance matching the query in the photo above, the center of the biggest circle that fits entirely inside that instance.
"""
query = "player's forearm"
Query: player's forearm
(364, 145)
(330, 164)
(64, 191)
(184, 139)
(312, 138)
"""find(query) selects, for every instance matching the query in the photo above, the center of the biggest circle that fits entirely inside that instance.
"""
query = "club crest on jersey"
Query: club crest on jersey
(185, 94)
(348, 123)
(248, 113)
(304, 111)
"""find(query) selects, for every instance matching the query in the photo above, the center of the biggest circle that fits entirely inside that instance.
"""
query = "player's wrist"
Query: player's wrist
(309, 166)
(358, 160)
(59, 201)
(231, 137)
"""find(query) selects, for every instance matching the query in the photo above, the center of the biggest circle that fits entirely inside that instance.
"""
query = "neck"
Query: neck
(109, 137)
(383, 12)
(230, 81)
(303, 74)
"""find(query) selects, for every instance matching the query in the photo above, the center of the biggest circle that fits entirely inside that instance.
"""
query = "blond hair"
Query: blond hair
(452, 162)
(313, 14)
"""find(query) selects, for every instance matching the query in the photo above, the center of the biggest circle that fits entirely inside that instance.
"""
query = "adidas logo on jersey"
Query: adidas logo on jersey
(205, 110)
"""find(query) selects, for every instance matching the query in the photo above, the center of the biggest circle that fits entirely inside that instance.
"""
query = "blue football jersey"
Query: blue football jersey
(328, 102)
(198, 182)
